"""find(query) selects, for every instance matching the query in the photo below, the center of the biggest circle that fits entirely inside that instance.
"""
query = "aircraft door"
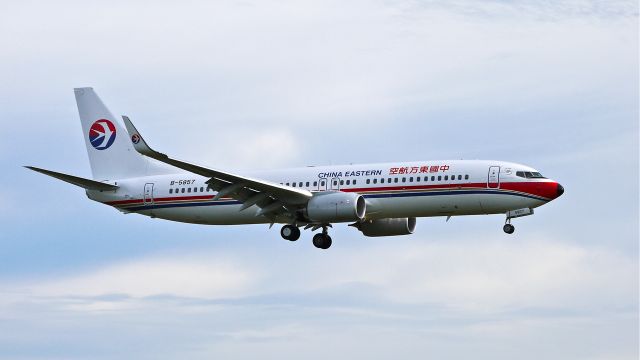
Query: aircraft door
(493, 179)
(148, 193)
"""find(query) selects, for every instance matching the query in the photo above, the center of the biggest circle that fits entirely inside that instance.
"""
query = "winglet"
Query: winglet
(138, 141)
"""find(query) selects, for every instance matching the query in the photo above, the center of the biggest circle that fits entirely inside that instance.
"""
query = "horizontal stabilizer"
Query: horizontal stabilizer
(78, 181)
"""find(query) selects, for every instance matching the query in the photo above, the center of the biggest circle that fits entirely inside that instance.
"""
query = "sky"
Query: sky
(267, 84)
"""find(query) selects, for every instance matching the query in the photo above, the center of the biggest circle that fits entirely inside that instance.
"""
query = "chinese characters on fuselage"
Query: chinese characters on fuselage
(418, 169)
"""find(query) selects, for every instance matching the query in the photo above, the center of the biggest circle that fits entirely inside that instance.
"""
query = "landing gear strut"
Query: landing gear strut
(290, 232)
(322, 240)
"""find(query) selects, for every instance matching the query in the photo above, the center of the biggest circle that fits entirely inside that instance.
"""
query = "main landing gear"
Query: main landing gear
(290, 232)
(321, 240)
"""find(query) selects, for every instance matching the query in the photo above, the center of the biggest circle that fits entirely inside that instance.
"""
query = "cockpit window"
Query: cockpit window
(529, 175)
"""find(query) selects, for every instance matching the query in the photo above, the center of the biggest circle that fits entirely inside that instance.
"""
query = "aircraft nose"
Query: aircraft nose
(560, 190)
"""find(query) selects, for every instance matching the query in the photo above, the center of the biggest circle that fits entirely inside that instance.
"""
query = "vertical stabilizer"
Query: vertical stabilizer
(110, 150)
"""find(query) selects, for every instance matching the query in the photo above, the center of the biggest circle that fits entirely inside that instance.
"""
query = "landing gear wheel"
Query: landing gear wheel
(508, 228)
(290, 232)
(322, 241)
(327, 242)
(317, 240)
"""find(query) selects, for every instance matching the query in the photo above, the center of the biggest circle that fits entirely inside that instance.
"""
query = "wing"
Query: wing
(271, 198)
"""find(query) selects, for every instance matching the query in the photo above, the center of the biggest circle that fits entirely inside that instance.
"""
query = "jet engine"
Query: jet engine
(387, 227)
(336, 207)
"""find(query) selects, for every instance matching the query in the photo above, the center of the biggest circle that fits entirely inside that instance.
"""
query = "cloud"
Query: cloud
(480, 275)
(421, 294)
(493, 275)
(188, 276)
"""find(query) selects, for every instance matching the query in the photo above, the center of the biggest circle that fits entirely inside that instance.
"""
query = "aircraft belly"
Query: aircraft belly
(212, 215)
(445, 205)
(496, 204)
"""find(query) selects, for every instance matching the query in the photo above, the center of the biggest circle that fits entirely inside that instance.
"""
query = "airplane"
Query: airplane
(382, 199)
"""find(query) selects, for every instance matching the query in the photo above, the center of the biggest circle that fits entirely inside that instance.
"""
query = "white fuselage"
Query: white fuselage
(391, 190)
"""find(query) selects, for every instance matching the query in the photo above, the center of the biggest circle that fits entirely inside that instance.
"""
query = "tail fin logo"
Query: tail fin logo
(102, 134)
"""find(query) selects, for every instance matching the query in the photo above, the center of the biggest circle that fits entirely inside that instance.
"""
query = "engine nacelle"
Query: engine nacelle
(387, 227)
(336, 207)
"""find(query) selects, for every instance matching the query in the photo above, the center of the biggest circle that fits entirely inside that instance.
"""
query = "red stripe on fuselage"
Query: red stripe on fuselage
(418, 187)
(545, 189)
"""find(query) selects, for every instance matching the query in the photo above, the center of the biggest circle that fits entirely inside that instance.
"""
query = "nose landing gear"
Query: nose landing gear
(511, 214)
(508, 228)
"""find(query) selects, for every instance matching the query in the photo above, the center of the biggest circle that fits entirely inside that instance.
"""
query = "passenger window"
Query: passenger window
(315, 183)
(395, 180)
(335, 182)
(201, 189)
(341, 182)
(466, 177)
(376, 180)
(182, 190)
(188, 190)
(411, 179)
(381, 181)
(389, 180)
(293, 184)
(354, 182)
(368, 181)
(322, 183)
(459, 177)
(433, 178)
(446, 177)
(307, 184)
(404, 179)
(348, 182)
(418, 179)
(439, 178)
(170, 191)
(287, 184)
